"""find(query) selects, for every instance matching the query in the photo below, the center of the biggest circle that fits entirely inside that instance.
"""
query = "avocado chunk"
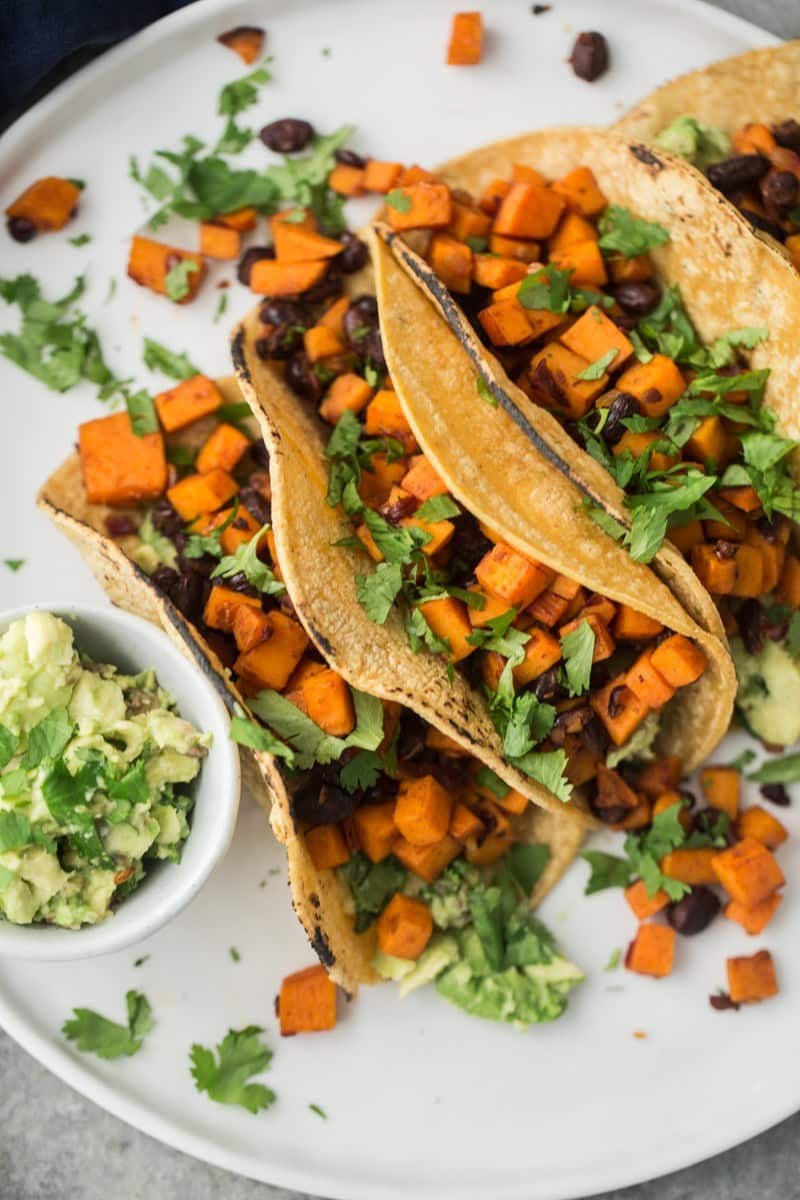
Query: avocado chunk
(768, 696)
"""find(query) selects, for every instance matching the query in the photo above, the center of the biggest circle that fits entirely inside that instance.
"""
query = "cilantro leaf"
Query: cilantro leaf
(398, 200)
(525, 862)
(646, 851)
(578, 650)
(158, 357)
(628, 235)
(48, 739)
(9, 744)
(486, 778)
(362, 771)
(377, 592)
(793, 634)
(778, 770)
(67, 797)
(225, 1079)
(437, 508)
(597, 369)
(547, 767)
(483, 389)
(142, 412)
(310, 743)
(608, 870)
(176, 281)
(80, 239)
(548, 289)
(14, 564)
(245, 561)
(249, 733)
(97, 1034)
(372, 886)
(17, 831)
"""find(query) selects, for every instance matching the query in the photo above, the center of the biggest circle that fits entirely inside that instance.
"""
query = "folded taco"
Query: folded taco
(736, 120)
(377, 809)
(575, 658)
(646, 342)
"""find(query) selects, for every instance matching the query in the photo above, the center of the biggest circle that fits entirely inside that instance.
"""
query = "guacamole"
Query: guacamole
(93, 768)
(768, 695)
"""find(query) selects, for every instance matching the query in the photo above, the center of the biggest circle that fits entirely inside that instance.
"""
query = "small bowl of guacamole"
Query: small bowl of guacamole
(119, 785)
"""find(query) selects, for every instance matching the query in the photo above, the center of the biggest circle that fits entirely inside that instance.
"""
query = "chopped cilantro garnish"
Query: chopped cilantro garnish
(315, 1108)
(597, 369)
(80, 239)
(222, 305)
(437, 508)
(225, 1078)
(234, 953)
(246, 732)
(614, 960)
(486, 778)
(484, 391)
(778, 770)
(628, 235)
(142, 413)
(578, 650)
(398, 200)
(176, 280)
(14, 564)
(310, 743)
(158, 357)
(608, 870)
(245, 561)
(94, 1033)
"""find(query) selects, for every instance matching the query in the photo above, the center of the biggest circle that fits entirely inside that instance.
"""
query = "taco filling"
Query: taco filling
(574, 681)
(561, 286)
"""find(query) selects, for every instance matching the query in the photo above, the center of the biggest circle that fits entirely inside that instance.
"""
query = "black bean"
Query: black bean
(779, 191)
(468, 544)
(614, 705)
(302, 378)
(599, 677)
(573, 721)
(620, 409)
(637, 297)
(285, 312)
(164, 578)
(401, 507)
(787, 134)
(240, 583)
(411, 741)
(359, 320)
(724, 549)
(750, 626)
(259, 453)
(589, 56)
(349, 158)
(288, 135)
(165, 519)
(776, 793)
(281, 342)
(707, 821)
(118, 525)
(763, 223)
(354, 256)
(694, 912)
(739, 173)
(328, 288)
(722, 1001)
(547, 686)
(372, 349)
(256, 504)
(21, 229)
(322, 804)
(249, 259)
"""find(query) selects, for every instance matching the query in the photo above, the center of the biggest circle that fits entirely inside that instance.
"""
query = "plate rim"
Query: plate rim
(77, 1074)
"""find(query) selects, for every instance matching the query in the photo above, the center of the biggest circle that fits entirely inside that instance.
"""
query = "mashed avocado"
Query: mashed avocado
(768, 696)
(701, 144)
(92, 764)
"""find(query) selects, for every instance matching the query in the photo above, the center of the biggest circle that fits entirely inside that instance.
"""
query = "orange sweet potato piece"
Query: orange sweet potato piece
(48, 203)
(754, 138)
(553, 380)
(512, 577)
(756, 919)
(376, 829)
(515, 248)
(716, 573)
(755, 822)
(199, 494)
(585, 261)
(630, 270)
(614, 794)
(772, 553)
(377, 483)
(118, 467)
(333, 317)
(494, 273)
(222, 450)
(620, 710)
(633, 626)
(594, 335)
(385, 418)
(448, 618)
(320, 342)
(748, 871)
(638, 444)
(381, 176)
(603, 641)
(466, 40)
(430, 207)
(346, 180)
(744, 498)
(219, 241)
(542, 651)
(222, 605)
(652, 951)
(468, 221)
(272, 278)
(709, 441)
(642, 905)
(686, 537)
(404, 927)
(669, 800)
(752, 979)
(721, 787)
(452, 262)
(370, 545)
(657, 384)
(307, 1002)
(659, 776)
(647, 683)
(422, 813)
(581, 192)
(241, 219)
(422, 481)
(690, 866)
(749, 571)
(245, 40)
(679, 660)
(250, 626)
(464, 822)
(347, 393)
(493, 195)
(528, 211)
(188, 401)
(788, 590)
(149, 264)
(271, 662)
(436, 740)
(329, 703)
(493, 607)
(572, 230)
(293, 244)
(507, 323)
(427, 861)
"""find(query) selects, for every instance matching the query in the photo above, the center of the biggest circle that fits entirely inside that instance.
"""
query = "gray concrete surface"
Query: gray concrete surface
(54, 1145)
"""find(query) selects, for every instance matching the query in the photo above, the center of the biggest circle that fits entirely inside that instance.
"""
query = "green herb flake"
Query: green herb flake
(94, 1033)
(607, 871)
(80, 239)
(484, 391)
(222, 306)
(614, 960)
(142, 412)
(235, 955)
(778, 770)
(176, 280)
(14, 564)
(598, 368)
(158, 357)
(630, 236)
(226, 1077)
(398, 200)
(315, 1108)
(578, 650)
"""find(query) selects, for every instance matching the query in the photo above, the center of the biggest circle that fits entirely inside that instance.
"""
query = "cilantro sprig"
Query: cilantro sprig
(96, 1034)
(226, 1077)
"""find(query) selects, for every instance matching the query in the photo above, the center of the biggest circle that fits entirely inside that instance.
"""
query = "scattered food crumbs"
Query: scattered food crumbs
(721, 1001)
(112, 290)
(315, 1108)
(222, 304)
(245, 40)
(14, 564)
(614, 960)
(274, 871)
(325, 51)
(262, 883)
(235, 955)
(81, 239)
(539, 9)
(639, 1033)
(141, 961)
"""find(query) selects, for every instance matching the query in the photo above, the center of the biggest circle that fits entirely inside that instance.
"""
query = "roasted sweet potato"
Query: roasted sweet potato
(427, 861)
(717, 572)
(721, 787)
(404, 927)
(425, 206)
(198, 494)
(250, 626)
(648, 683)
(118, 467)
(756, 919)
(542, 651)
(272, 278)
(528, 211)
(755, 822)
(491, 271)
(506, 323)
(652, 951)
(422, 813)
(642, 905)
(320, 342)
(380, 176)
(346, 180)
(464, 822)
(585, 261)
(468, 221)
(240, 219)
(347, 393)
(219, 241)
(269, 664)
(620, 710)
(572, 229)
(188, 401)
(294, 244)
(422, 481)
(679, 660)
(377, 483)
(149, 264)
(690, 866)
(307, 1002)
(385, 418)
(581, 192)
(327, 846)
(452, 262)
(748, 871)
(222, 450)
(448, 618)
(614, 794)
(752, 979)
(245, 40)
(48, 203)
(593, 335)
(466, 40)
(659, 776)
(656, 385)
(222, 605)
(552, 380)
(512, 577)
(632, 626)
(376, 829)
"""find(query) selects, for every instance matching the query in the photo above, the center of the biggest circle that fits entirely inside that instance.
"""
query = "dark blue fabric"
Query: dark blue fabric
(38, 36)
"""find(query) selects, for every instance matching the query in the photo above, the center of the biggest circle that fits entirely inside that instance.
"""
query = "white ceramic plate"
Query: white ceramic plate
(421, 1099)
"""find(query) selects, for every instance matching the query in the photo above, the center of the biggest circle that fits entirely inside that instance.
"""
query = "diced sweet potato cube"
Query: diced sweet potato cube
(572, 230)
(241, 219)
(493, 607)
(422, 813)
(669, 800)
(346, 180)
(679, 660)
(347, 393)
(48, 203)
(656, 385)
(642, 905)
(512, 577)
(333, 317)
(749, 572)
(633, 626)
(647, 683)
(638, 445)
(118, 467)
(493, 195)
(436, 740)
(528, 211)
(222, 450)
(721, 787)
(427, 861)
(690, 866)
(188, 401)
(524, 173)
(549, 608)
(630, 270)
(553, 380)
(755, 822)
(439, 533)
(594, 335)
(149, 264)
(320, 342)
(756, 919)
(581, 192)
(492, 272)
(620, 710)
(381, 176)
(377, 483)
(614, 794)
(245, 40)
(542, 651)
(422, 481)
(327, 846)
(219, 241)
(329, 703)
(385, 418)
(518, 248)
(272, 278)
(416, 174)
(659, 776)
(752, 979)
(222, 605)
(773, 554)
(513, 802)
(748, 871)
(638, 818)
(754, 138)
(250, 626)
(506, 323)
(585, 261)
(710, 441)
(430, 207)
(269, 664)
(198, 494)
(452, 262)
(466, 40)
(307, 1002)
(376, 829)
(716, 572)
(296, 244)
(788, 591)
(652, 951)
(464, 822)
(449, 620)
(404, 927)
(685, 537)
(468, 221)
